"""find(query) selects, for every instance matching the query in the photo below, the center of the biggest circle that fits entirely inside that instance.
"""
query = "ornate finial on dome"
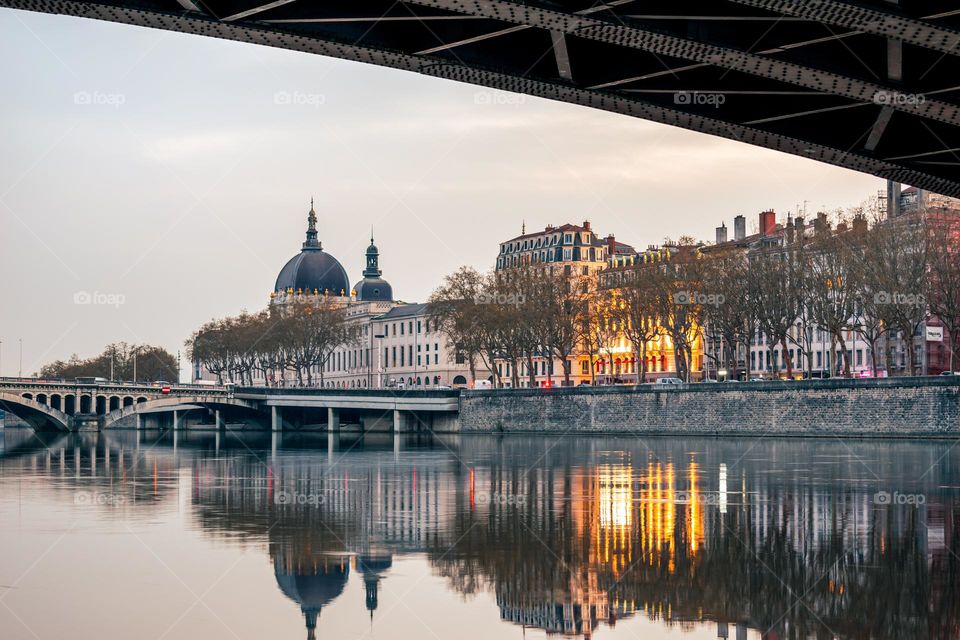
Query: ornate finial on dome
(371, 234)
(311, 241)
(523, 229)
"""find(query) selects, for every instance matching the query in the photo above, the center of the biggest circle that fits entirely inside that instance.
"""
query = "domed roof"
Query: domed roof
(373, 286)
(312, 591)
(313, 268)
(373, 289)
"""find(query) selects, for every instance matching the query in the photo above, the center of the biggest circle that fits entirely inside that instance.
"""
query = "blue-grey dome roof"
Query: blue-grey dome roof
(313, 269)
(373, 289)
(313, 590)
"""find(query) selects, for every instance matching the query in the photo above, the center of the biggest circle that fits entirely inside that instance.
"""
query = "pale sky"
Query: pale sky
(171, 176)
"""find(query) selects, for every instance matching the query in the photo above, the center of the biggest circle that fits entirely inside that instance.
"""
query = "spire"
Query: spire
(523, 229)
(373, 259)
(311, 241)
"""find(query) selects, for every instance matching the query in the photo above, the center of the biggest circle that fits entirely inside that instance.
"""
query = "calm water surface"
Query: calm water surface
(115, 536)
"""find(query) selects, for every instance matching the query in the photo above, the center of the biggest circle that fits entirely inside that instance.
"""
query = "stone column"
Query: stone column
(396, 420)
(139, 420)
(333, 419)
(276, 418)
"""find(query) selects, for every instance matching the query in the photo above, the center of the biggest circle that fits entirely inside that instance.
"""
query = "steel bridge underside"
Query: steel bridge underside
(870, 85)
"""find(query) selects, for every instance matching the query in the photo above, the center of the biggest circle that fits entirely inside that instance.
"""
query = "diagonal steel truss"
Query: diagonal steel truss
(870, 85)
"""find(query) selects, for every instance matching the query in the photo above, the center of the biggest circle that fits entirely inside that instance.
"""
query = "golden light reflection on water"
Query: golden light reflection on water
(586, 540)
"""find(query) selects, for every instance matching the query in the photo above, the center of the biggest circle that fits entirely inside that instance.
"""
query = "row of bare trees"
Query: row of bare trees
(298, 337)
(876, 282)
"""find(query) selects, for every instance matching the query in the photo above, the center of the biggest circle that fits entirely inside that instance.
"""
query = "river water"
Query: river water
(211, 536)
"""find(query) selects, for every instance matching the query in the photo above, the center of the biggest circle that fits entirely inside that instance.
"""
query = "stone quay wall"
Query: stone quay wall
(895, 407)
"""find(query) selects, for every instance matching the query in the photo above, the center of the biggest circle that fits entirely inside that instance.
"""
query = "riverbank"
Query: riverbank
(895, 407)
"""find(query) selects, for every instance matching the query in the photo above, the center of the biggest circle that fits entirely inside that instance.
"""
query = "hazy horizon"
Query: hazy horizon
(175, 173)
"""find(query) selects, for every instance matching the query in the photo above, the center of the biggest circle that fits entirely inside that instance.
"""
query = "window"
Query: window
(401, 328)
(460, 359)
(436, 358)
(419, 327)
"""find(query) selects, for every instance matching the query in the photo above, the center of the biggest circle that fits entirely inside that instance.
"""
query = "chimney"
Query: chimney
(859, 224)
(768, 223)
(586, 225)
(722, 233)
(820, 225)
(611, 245)
(739, 228)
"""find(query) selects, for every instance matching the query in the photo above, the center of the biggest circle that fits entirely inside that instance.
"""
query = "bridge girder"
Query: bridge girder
(881, 98)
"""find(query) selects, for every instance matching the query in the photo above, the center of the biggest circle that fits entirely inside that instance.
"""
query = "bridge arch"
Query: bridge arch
(170, 402)
(86, 403)
(56, 401)
(39, 416)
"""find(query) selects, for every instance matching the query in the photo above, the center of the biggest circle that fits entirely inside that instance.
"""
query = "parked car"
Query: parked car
(669, 381)
(950, 373)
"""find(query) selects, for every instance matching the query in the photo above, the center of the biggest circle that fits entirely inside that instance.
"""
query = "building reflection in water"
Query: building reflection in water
(788, 541)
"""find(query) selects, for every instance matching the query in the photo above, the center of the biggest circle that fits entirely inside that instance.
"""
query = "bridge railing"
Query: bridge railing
(371, 393)
(148, 387)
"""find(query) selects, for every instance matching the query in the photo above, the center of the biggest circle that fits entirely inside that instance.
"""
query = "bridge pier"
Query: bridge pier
(275, 418)
(217, 421)
(176, 420)
(396, 420)
(333, 419)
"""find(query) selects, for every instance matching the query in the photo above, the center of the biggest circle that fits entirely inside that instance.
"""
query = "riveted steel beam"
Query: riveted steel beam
(161, 16)
(868, 20)
(591, 28)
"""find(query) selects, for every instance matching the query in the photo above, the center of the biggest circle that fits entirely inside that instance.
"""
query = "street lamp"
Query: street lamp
(380, 337)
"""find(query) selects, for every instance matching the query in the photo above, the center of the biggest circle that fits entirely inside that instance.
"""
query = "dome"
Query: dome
(313, 590)
(373, 286)
(373, 289)
(313, 268)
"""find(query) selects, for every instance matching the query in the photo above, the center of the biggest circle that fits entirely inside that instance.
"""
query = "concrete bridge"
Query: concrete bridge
(394, 410)
(68, 406)
(62, 405)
